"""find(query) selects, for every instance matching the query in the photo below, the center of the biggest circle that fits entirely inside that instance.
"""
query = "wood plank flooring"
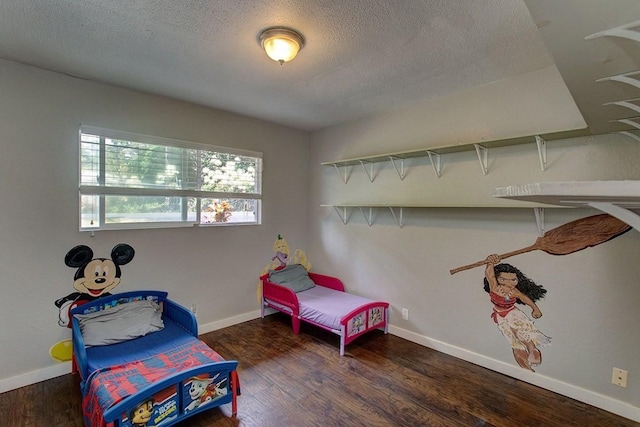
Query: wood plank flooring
(383, 380)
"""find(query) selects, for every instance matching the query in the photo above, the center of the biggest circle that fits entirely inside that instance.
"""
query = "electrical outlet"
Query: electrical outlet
(405, 314)
(619, 377)
(194, 309)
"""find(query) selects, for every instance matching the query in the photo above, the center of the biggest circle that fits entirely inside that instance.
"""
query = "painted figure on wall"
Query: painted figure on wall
(281, 259)
(281, 249)
(94, 278)
(507, 286)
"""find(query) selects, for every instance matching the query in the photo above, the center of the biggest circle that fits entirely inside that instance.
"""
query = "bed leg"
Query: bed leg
(343, 334)
(235, 390)
(386, 320)
(296, 325)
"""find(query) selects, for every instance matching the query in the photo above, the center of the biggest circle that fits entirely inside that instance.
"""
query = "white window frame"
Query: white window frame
(101, 190)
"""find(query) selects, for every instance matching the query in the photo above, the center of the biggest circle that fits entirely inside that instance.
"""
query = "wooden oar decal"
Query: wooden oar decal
(570, 237)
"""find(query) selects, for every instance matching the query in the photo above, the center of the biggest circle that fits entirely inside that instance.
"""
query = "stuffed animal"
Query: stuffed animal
(94, 278)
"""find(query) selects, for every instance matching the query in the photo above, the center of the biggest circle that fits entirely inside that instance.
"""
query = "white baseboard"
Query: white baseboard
(33, 377)
(594, 399)
(606, 403)
(230, 321)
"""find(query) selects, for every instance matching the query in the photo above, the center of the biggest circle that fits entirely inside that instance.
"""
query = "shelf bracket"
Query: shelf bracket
(368, 171)
(343, 213)
(435, 162)
(399, 217)
(369, 217)
(542, 152)
(623, 78)
(627, 103)
(400, 172)
(623, 214)
(630, 135)
(621, 31)
(539, 213)
(344, 176)
(483, 157)
(629, 122)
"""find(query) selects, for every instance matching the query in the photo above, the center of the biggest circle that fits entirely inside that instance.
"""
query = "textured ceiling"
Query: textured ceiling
(361, 58)
(563, 25)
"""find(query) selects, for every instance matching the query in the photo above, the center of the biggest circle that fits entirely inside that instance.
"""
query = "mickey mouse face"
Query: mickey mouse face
(99, 277)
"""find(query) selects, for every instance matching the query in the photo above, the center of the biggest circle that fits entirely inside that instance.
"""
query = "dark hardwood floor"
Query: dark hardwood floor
(382, 380)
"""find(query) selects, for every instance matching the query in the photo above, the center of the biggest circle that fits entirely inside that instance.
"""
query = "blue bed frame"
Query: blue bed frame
(113, 416)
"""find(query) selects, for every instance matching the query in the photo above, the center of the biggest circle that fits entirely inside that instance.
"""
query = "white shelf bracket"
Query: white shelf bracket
(542, 152)
(368, 171)
(483, 153)
(627, 103)
(343, 213)
(368, 217)
(398, 217)
(629, 122)
(435, 162)
(623, 214)
(344, 175)
(630, 135)
(400, 171)
(623, 78)
(621, 31)
(539, 213)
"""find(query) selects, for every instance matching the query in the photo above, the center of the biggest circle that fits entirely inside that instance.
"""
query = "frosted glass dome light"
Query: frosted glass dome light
(281, 44)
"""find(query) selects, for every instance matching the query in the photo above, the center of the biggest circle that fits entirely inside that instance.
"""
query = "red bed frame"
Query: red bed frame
(370, 316)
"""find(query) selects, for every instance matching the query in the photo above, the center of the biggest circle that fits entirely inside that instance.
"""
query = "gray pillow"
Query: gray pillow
(293, 276)
(120, 323)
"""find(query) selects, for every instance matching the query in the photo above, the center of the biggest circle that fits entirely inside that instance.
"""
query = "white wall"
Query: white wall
(217, 267)
(591, 309)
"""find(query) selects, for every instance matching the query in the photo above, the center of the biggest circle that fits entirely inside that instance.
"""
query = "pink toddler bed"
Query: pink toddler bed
(322, 301)
(140, 362)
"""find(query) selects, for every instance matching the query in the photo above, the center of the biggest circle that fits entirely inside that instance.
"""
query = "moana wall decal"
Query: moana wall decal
(508, 286)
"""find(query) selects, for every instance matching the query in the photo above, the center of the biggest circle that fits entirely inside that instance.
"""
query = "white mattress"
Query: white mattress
(326, 306)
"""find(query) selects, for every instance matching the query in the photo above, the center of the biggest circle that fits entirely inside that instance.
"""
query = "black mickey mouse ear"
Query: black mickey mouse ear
(78, 256)
(122, 253)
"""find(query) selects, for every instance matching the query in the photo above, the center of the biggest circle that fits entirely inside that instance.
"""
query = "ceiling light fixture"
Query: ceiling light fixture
(281, 44)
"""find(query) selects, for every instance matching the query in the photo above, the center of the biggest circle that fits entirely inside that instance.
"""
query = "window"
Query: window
(140, 181)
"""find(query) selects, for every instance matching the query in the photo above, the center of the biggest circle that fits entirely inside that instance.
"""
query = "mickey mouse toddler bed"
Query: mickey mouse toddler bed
(141, 363)
(322, 301)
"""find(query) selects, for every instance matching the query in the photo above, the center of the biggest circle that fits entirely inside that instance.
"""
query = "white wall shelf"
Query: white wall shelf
(629, 31)
(397, 159)
(397, 211)
(620, 199)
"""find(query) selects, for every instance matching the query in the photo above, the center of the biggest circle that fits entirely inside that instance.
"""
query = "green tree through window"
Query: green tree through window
(136, 181)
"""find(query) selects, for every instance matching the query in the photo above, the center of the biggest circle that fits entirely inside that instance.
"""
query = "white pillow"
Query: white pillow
(120, 323)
